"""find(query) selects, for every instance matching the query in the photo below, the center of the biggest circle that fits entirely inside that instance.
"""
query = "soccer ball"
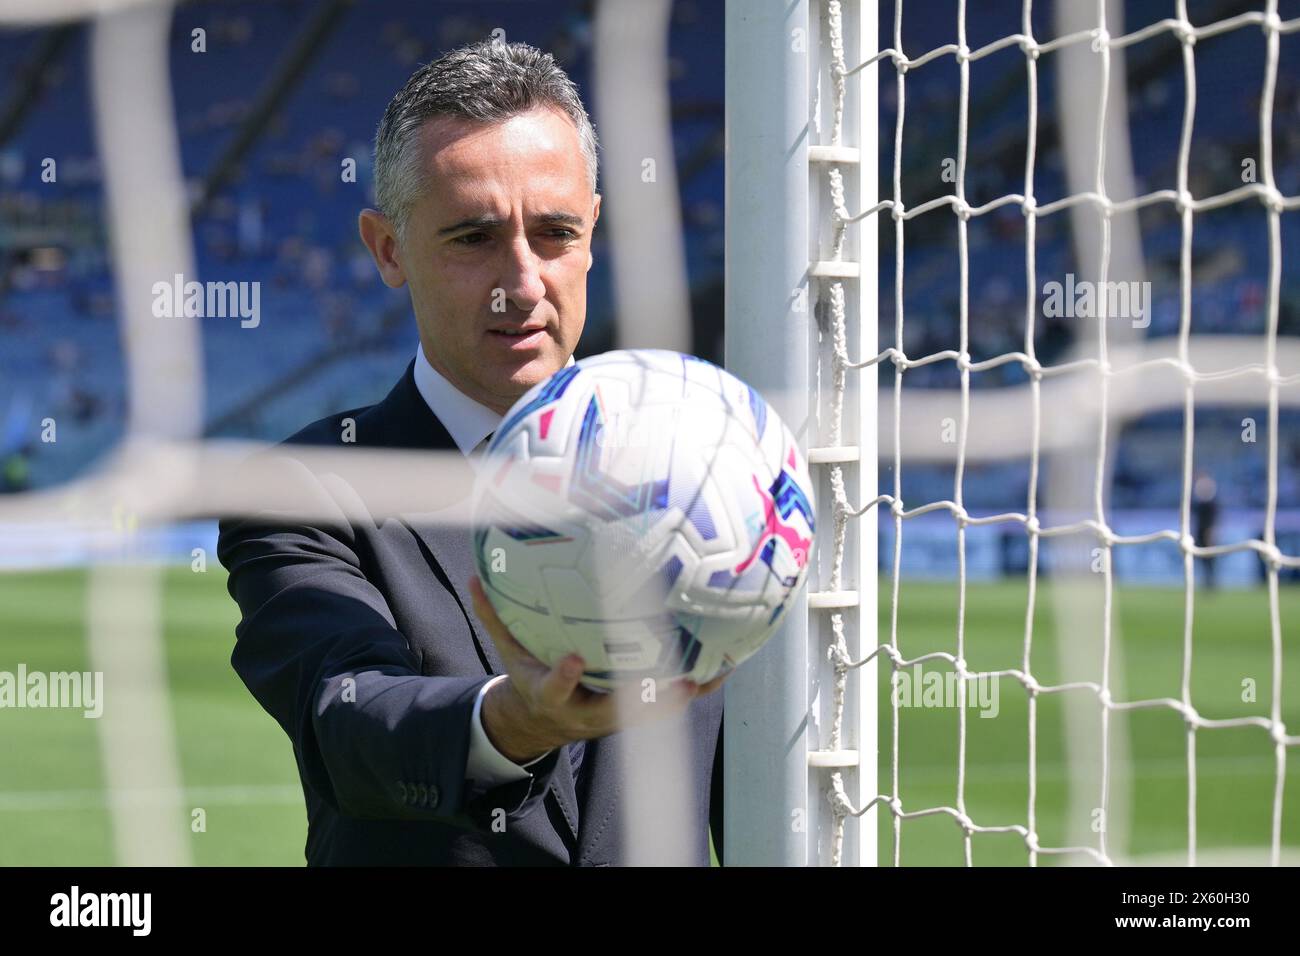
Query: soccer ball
(646, 510)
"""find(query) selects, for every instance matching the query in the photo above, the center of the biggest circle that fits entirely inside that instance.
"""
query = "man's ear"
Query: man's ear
(381, 239)
(595, 215)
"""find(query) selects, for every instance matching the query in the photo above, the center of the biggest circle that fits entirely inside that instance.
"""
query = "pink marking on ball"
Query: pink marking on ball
(773, 528)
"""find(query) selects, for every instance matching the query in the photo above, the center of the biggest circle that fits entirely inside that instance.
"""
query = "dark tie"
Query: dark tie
(576, 751)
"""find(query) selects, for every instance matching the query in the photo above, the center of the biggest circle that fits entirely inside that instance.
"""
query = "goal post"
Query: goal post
(800, 727)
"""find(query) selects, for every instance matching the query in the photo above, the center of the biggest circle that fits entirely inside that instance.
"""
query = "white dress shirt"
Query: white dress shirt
(469, 424)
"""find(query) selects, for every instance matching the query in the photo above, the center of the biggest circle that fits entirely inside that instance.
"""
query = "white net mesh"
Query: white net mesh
(1108, 365)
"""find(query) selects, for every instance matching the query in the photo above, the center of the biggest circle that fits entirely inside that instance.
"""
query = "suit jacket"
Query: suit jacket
(358, 636)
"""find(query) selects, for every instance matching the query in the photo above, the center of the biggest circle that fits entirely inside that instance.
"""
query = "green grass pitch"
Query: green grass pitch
(1235, 767)
(238, 766)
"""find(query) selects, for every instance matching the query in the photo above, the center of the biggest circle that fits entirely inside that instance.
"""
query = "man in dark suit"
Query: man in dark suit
(423, 733)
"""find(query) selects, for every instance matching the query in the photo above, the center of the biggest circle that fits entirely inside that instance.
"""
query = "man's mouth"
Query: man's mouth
(520, 338)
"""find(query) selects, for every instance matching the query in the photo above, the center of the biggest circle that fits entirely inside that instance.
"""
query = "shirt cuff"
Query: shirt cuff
(486, 767)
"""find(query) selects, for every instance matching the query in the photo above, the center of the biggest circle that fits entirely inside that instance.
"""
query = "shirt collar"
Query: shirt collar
(467, 421)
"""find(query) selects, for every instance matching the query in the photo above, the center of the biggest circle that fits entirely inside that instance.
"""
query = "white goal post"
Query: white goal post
(800, 725)
(801, 318)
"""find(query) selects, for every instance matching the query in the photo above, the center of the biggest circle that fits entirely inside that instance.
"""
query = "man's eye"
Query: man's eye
(473, 238)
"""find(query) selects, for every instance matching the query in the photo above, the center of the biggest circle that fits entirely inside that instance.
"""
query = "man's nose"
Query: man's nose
(522, 276)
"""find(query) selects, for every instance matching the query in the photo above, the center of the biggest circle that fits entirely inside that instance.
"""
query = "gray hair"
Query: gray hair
(487, 81)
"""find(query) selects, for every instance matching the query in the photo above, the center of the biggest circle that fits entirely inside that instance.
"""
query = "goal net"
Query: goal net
(1047, 322)
(1028, 356)
(164, 479)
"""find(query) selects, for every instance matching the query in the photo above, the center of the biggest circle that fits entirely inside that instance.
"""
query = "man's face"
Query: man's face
(500, 239)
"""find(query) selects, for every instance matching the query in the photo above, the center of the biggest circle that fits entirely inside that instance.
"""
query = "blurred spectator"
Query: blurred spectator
(1205, 515)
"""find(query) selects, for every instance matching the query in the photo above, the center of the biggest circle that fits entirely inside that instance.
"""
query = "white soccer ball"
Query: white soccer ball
(646, 510)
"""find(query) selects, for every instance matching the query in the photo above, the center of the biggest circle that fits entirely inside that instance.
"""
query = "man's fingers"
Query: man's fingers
(670, 697)
(714, 684)
(499, 633)
(554, 687)
(560, 681)
(483, 607)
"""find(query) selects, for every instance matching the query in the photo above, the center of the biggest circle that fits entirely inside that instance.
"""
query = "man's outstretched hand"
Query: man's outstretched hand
(539, 708)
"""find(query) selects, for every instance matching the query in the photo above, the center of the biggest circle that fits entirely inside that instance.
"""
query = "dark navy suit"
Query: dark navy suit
(358, 636)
